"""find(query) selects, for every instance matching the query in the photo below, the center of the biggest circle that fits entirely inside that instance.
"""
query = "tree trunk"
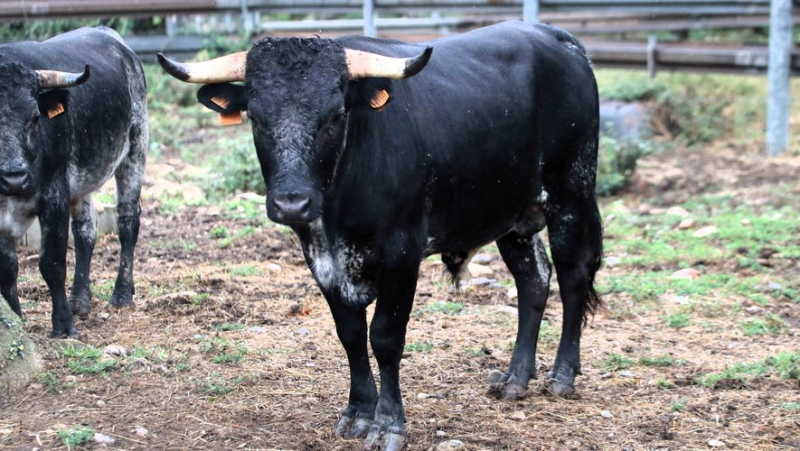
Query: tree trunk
(19, 361)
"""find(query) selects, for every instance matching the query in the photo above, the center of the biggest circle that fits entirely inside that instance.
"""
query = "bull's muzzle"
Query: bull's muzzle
(15, 183)
(293, 207)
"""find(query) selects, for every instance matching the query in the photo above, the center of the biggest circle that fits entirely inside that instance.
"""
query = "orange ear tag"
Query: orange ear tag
(379, 100)
(221, 102)
(233, 118)
(55, 111)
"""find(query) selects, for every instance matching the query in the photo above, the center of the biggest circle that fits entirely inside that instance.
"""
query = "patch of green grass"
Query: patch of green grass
(200, 299)
(616, 362)
(245, 232)
(664, 360)
(220, 232)
(218, 386)
(243, 209)
(448, 308)
(418, 347)
(772, 324)
(246, 270)
(173, 244)
(791, 406)
(157, 354)
(678, 320)
(52, 383)
(104, 198)
(664, 384)
(224, 350)
(547, 333)
(103, 290)
(785, 365)
(679, 405)
(86, 359)
(75, 436)
(225, 327)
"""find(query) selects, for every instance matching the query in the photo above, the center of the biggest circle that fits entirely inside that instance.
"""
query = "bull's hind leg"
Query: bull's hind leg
(129, 187)
(526, 258)
(84, 232)
(575, 231)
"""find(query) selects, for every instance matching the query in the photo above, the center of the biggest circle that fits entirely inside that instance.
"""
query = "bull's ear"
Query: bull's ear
(53, 103)
(369, 94)
(227, 99)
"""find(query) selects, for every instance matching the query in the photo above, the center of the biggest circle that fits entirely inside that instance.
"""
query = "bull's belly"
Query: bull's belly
(86, 180)
(16, 216)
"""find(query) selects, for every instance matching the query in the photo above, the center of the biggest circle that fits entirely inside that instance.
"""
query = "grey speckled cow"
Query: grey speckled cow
(73, 112)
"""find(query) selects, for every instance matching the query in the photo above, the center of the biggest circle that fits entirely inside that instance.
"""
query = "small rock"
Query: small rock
(513, 311)
(303, 331)
(495, 376)
(450, 445)
(441, 433)
(482, 281)
(140, 431)
(714, 443)
(688, 273)
(680, 299)
(274, 267)
(70, 379)
(613, 261)
(512, 293)
(734, 345)
(625, 373)
(103, 439)
(687, 223)
(103, 316)
(476, 270)
(746, 222)
(774, 286)
(100, 403)
(677, 211)
(482, 259)
(606, 414)
(423, 396)
(753, 310)
(518, 415)
(605, 375)
(705, 231)
(115, 350)
(258, 329)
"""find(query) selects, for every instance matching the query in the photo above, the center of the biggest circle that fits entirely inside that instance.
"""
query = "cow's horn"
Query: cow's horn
(362, 64)
(52, 79)
(219, 70)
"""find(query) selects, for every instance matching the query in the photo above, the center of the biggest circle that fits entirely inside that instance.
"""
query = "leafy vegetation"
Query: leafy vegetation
(785, 365)
(418, 347)
(616, 362)
(75, 436)
(224, 350)
(86, 359)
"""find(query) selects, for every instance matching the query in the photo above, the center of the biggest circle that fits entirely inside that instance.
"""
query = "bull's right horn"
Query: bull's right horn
(224, 69)
(53, 79)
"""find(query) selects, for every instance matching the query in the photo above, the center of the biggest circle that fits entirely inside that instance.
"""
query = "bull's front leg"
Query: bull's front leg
(397, 283)
(9, 269)
(54, 221)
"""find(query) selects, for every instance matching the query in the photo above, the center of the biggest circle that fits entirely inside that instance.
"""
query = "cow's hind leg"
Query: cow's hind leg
(526, 258)
(576, 242)
(84, 232)
(9, 270)
(129, 186)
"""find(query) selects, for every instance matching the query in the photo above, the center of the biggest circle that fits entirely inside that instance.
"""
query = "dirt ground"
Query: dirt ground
(288, 391)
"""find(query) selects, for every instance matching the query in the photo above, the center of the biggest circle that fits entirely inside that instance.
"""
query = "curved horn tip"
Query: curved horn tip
(416, 64)
(173, 68)
(85, 76)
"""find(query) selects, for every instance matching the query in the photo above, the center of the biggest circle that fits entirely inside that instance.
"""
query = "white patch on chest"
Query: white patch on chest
(16, 216)
(338, 265)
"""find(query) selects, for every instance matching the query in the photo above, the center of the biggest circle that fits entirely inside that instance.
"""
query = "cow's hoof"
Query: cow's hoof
(81, 306)
(381, 440)
(555, 384)
(506, 386)
(67, 332)
(121, 299)
(352, 427)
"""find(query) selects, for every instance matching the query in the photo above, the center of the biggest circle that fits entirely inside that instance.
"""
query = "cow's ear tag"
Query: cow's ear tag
(233, 118)
(56, 110)
(221, 102)
(379, 100)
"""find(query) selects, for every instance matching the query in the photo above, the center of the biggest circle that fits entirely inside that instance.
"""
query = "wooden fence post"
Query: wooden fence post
(369, 19)
(530, 11)
(780, 44)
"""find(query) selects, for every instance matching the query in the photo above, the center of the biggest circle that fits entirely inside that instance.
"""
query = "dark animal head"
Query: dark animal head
(25, 95)
(298, 94)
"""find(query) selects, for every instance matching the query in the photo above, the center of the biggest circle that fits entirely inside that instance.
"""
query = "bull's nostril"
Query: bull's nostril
(292, 206)
(14, 179)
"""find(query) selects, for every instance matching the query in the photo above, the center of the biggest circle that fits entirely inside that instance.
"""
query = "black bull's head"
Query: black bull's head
(297, 94)
(25, 95)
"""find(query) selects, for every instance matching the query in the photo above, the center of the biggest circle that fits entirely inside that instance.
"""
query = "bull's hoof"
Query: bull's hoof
(506, 386)
(121, 299)
(66, 332)
(379, 439)
(559, 385)
(81, 306)
(352, 427)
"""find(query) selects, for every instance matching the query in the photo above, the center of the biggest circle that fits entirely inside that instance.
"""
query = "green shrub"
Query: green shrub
(238, 169)
(616, 163)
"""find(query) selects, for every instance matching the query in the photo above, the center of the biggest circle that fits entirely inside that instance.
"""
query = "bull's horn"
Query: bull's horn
(52, 79)
(219, 70)
(362, 64)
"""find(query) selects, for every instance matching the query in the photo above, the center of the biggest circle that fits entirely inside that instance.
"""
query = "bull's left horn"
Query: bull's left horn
(52, 79)
(362, 64)
(224, 69)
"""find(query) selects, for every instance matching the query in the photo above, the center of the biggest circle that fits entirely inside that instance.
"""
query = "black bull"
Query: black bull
(494, 139)
(58, 146)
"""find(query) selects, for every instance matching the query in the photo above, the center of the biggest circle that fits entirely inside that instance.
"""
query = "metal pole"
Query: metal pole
(530, 11)
(780, 43)
(369, 19)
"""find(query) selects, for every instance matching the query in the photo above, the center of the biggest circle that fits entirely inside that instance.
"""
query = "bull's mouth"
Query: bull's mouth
(25, 190)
